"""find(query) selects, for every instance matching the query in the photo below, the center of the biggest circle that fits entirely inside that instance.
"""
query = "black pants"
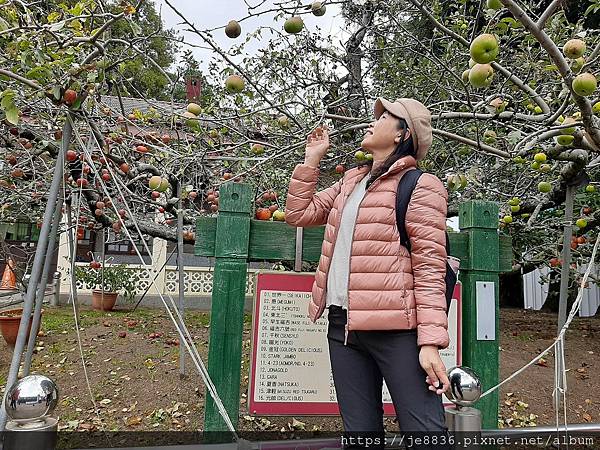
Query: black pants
(359, 369)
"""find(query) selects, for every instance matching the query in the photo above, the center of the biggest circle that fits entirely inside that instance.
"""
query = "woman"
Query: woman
(387, 307)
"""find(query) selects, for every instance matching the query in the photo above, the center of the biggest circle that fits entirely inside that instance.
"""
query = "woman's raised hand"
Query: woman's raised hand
(317, 144)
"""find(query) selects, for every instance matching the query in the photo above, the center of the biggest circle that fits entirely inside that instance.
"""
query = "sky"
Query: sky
(208, 14)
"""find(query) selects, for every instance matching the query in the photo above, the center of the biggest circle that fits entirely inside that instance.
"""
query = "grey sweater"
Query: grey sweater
(337, 279)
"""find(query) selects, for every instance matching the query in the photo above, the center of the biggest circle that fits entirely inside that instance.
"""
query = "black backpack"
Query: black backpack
(406, 186)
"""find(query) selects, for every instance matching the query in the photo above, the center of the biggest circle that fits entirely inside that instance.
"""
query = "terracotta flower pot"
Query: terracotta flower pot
(104, 301)
(9, 325)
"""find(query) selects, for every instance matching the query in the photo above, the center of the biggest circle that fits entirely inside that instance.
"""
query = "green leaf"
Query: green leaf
(137, 30)
(56, 92)
(78, 102)
(40, 74)
(4, 25)
(53, 17)
(77, 9)
(8, 99)
(12, 115)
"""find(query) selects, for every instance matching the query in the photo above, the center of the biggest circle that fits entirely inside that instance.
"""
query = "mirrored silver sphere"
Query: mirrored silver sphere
(465, 386)
(31, 398)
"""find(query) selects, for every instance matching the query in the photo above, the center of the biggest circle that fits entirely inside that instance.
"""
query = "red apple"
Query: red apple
(142, 149)
(124, 167)
(263, 214)
(69, 96)
(339, 168)
(122, 334)
(71, 155)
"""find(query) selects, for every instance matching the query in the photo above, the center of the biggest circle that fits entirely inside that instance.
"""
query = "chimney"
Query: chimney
(193, 89)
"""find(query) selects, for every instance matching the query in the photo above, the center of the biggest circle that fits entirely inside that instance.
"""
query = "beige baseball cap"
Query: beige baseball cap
(417, 117)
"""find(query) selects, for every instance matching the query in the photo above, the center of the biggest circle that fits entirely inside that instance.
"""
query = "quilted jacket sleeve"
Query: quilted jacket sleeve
(426, 228)
(304, 208)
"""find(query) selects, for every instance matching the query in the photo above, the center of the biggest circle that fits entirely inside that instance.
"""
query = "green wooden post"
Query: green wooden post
(227, 305)
(479, 221)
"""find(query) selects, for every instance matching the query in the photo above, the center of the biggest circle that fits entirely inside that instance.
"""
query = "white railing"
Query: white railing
(197, 281)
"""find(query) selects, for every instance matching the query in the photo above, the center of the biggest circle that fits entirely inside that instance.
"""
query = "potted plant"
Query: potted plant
(107, 283)
(10, 319)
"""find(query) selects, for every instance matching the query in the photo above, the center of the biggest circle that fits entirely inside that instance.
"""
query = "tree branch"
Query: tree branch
(547, 13)
(584, 105)
(472, 143)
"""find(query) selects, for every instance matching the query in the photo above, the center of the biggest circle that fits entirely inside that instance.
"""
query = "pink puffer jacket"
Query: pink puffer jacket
(388, 288)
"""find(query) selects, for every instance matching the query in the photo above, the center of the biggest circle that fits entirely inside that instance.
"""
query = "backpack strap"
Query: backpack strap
(406, 186)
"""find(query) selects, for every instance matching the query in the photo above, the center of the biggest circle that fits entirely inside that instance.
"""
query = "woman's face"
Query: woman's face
(383, 135)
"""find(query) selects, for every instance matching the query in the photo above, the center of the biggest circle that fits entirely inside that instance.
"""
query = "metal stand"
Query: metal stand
(464, 419)
(55, 300)
(38, 435)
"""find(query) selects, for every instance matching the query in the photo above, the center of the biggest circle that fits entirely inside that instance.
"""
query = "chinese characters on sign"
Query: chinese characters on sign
(290, 368)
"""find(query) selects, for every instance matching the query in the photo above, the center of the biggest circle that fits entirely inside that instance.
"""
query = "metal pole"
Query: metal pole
(298, 256)
(36, 269)
(55, 300)
(72, 248)
(37, 314)
(180, 270)
(564, 286)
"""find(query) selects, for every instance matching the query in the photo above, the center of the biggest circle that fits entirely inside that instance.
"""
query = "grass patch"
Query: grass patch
(524, 337)
(57, 320)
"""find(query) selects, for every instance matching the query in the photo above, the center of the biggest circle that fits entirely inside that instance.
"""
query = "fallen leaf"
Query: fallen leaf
(297, 425)
(587, 417)
(132, 421)
(541, 362)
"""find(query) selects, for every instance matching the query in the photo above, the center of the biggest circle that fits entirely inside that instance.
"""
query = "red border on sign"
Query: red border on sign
(303, 282)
